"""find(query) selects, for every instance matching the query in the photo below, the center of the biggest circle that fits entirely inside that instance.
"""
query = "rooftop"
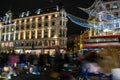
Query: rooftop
(32, 12)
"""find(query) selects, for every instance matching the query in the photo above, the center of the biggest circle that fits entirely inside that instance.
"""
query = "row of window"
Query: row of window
(46, 17)
(28, 26)
(40, 43)
(112, 6)
(28, 34)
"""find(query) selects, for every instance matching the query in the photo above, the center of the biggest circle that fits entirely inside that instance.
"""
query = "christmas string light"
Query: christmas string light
(111, 25)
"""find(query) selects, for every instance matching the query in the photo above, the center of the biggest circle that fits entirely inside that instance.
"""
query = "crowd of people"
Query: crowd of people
(34, 64)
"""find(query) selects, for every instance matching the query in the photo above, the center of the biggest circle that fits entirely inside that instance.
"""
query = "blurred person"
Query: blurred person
(41, 61)
(22, 59)
(13, 59)
(34, 70)
(89, 62)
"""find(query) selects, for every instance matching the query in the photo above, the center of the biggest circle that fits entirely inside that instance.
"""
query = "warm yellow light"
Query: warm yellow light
(30, 19)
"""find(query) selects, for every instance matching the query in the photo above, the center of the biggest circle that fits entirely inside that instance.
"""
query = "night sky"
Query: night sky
(23, 5)
(18, 6)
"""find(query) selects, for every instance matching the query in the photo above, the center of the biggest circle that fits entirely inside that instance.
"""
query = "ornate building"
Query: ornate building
(41, 30)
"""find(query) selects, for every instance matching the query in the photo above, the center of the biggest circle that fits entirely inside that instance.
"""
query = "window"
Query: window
(45, 33)
(22, 27)
(17, 28)
(39, 19)
(17, 44)
(16, 37)
(61, 33)
(115, 6)
(61, 42)
(46, 17)
(21, 35)
(17, 22)
(39, 34)
(22, 21)
(52, 23)
(39, 43)
(64, 33)
(11, 37)
(117, 25)
(52, 32)
(7, 36)
(33, 25)
(116, 14)
(33, 19)
(39, 25)
(28, 20)
(61, 23)
(108, 6)
(46, 24)
(64, 23)
(12, 28)
(7, 29)
(38, 11)
(27, 26)
(53, 15)
(33, 35)
(22, 43)
(26, 43)
(3, 30)
(27, 35)
(53, 42)
(45, 43)
(2, 38)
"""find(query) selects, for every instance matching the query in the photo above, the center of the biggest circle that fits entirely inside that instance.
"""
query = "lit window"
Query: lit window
(115, 5)
(28, 13)
(38, 11)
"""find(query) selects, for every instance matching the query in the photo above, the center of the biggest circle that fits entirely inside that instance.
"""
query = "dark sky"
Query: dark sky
(17, 6)
(23, 5)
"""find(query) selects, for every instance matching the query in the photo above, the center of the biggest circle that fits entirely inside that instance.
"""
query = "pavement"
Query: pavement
(44, 76)
(33, 77)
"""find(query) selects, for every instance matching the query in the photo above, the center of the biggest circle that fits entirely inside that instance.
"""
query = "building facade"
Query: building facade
(41, 31)
(113, 7)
